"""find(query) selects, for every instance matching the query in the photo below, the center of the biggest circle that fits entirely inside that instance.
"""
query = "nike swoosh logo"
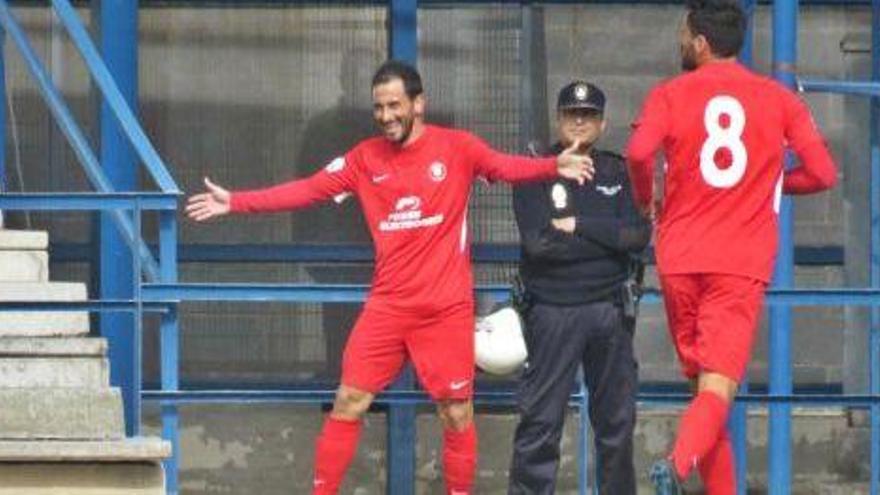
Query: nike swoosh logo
(458, 385)
(379, 178)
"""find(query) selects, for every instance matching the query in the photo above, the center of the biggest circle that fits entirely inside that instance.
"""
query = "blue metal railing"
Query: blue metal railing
(81, 147)
(870, 89)
(162, 298)
(124, 208)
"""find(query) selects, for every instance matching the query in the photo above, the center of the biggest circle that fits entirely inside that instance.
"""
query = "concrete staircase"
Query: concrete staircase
(61, 424)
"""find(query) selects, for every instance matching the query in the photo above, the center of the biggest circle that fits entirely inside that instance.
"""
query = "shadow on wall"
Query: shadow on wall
(328, 135)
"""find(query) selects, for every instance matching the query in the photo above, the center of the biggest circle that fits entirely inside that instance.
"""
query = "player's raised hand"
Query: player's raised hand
(214, 203)
(573, 165)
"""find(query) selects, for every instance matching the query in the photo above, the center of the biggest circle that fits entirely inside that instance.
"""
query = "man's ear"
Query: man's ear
(701, 46)
(419, 104)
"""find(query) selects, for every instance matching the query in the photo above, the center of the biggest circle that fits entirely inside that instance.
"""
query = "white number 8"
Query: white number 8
(720, 137)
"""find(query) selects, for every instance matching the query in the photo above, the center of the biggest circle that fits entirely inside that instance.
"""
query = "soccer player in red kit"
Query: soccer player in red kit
(413, 183)
(723, 130)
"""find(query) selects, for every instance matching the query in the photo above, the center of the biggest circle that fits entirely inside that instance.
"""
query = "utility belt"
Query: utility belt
(625, 295)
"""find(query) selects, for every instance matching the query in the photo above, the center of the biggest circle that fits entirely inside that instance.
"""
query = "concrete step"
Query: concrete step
(33, 324)
(53, 362)
(61, 413)
(61, 372)
(61, 346)
(23, 239)
(123, 467)
(24, 266)
(128, 478)
(139, 449)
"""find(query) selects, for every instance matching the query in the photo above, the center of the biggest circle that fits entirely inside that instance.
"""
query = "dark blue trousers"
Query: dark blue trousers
(560, 339)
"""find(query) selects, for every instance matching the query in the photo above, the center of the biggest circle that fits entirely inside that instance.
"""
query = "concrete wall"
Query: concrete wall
(267, 449)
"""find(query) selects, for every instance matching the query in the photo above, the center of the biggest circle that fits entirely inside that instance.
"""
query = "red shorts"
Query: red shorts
(713, 319)
(441, 348)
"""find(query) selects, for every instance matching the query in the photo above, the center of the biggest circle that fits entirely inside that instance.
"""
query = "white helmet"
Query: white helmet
(499, 344)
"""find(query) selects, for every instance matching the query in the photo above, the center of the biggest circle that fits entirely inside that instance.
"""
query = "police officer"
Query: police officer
(580, 244)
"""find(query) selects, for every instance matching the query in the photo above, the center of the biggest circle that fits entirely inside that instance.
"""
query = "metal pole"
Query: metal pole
(527, 114)
(117, 26)
(584, 441)
(169, 343)
(874, 192)
(738, 423)
(785, 14)
(136, 330)
(402, 32)
(738, 426)
(533, 124)
(4, 180)
(401, 419)
(746, 55)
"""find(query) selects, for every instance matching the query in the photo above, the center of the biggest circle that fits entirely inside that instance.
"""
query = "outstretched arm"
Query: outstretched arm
(336, 178)
(494, 165)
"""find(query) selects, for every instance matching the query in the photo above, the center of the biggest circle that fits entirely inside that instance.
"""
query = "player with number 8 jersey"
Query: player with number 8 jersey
(724, 131)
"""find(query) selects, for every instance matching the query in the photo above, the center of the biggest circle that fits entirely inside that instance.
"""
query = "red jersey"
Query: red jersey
(415, 200)
(723, 130)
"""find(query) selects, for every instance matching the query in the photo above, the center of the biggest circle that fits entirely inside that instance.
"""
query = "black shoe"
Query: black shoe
(665, 480)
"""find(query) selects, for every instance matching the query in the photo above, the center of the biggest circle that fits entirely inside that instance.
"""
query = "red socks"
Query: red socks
(700, 429)
(338, 441)
(334, 451)
(459, 460)
(717, 468)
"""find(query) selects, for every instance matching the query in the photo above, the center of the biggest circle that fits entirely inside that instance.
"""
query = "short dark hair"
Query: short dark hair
(721, 22)
(396, 69)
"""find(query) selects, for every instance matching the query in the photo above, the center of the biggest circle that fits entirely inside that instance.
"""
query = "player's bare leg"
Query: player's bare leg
(459, 445)
(351, 403)
(339, 437)
(718, 384)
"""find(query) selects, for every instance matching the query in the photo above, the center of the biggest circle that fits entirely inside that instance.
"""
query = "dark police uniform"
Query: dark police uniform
(575, 316)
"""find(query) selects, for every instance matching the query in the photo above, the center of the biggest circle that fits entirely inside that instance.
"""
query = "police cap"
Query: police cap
(581, 94)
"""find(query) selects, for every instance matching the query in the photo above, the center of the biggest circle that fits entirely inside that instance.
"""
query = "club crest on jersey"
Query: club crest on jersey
(559, 196)
(335, 166)
(437, 171)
